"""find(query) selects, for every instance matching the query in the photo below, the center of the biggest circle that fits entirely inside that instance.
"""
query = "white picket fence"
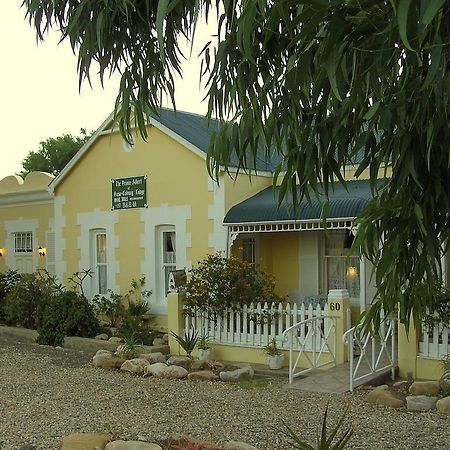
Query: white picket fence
(257, 324)
(434, 343)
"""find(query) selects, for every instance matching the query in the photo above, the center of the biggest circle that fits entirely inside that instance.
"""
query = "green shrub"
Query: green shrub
(8, 280)
(439, 311)
(110, 308)
(67, 314)
(218, 283)
(128, 312)
(26, 300)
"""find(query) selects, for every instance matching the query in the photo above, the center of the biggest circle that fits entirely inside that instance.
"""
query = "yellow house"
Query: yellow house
(124, 210)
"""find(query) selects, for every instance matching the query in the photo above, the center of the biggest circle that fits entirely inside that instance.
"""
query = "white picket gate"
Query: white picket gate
(434, 343)
(257, 324)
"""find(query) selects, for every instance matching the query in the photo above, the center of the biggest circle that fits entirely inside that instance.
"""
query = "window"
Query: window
(100, 265)
(168, 257)
(23, 242)
(342, 271)
(249, 250)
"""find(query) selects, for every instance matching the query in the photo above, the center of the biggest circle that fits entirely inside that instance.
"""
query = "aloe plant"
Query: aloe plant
(324, 441)
(188, 341)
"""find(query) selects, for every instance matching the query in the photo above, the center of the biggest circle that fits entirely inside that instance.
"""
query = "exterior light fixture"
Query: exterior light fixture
(352, 272)
(41, 251)
(1, 252)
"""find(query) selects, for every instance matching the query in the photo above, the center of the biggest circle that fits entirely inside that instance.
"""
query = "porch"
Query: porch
(307, 255)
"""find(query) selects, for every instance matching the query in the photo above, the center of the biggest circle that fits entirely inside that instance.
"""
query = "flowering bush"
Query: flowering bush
(218, 283)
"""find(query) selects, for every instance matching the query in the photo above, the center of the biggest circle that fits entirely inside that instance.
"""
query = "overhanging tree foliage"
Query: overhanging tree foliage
(323, 83)
(53, 153)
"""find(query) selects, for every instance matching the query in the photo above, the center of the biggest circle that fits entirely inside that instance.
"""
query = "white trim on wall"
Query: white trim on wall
(96, 220)
(60, 242)
(17, 226)
(50, 246)
(152, 218)
(217, 240)
(12, 199)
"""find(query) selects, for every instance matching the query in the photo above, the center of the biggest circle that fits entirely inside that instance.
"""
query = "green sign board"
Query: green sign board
(128, 193)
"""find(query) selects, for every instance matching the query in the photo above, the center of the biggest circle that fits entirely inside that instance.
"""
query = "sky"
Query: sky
(39, 90)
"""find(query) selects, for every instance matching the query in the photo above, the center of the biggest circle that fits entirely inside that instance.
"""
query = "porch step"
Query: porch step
(336, 380)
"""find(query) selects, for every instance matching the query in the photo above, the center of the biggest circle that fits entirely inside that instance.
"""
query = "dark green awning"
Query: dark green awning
(263, 207)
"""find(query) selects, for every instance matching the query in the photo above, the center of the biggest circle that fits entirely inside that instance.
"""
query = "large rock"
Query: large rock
(135, 365)
(182, 361)
(420, 402)
(172, 372)
(154, 369)
(238, 445)
(107, 360)
(443, 404)
(153, 358)
(203, 375)
(115, 339)
(85, 441)
(381, 396)
(201, 365)
(425, 388)
(102, 337)
(245, 373)
(132, 445)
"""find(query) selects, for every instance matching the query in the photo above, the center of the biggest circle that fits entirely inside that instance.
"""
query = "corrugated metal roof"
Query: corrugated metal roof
(197, 130)
(264, 207)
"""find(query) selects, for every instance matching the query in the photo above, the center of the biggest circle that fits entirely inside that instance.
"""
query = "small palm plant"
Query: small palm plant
(188, 341)
(324, 441)
(128, 349)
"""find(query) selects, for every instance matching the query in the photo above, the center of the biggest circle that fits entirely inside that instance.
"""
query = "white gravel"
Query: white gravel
(46, 393)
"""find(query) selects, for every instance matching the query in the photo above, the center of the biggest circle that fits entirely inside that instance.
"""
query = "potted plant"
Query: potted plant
(274, 355)
(204, 350)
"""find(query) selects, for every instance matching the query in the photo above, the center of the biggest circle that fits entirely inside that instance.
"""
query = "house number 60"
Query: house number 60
(335, 306)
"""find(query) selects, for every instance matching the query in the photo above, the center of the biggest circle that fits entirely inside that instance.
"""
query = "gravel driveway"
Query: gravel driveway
(46, 393)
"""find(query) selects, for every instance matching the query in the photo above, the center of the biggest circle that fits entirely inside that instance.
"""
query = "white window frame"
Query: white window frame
(162, 263)
(95, 264)
(23, 237)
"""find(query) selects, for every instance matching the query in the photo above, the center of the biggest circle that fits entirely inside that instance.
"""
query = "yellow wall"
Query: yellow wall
(176, 177)
(409, 363)
(241, 187)
(349, 173)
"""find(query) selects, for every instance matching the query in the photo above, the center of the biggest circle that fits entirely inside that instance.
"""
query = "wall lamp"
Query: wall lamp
(352, 272)
(41, 251)
(2, 251)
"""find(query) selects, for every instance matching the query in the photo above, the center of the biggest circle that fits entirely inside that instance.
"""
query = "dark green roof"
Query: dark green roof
(264, 207)
(197, 130)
